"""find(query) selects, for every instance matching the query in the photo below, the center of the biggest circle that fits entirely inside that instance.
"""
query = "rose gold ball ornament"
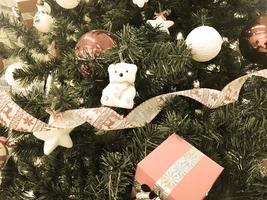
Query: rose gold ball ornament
(92, 44)
(253, 41)
(95, 42)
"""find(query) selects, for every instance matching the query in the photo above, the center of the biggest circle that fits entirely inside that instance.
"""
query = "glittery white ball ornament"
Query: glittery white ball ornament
(68, 4)
(9, 76)
(43, 22)
(205, 43)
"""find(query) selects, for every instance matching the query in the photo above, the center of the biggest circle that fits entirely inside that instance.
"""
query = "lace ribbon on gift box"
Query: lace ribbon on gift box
(177, 171)
(103, 118)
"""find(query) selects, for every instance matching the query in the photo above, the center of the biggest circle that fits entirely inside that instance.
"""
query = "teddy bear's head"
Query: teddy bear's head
(122, 72)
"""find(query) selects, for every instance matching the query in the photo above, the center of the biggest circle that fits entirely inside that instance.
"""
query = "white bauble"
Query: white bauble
(43, 22)
(9, 76)
(205, 43)
(140, 3)
(68, 4)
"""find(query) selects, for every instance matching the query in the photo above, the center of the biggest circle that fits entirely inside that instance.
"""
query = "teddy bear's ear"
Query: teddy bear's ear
(134, 68)
(111, 68)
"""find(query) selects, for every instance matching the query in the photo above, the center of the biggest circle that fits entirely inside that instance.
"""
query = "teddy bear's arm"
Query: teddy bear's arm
(126, 100)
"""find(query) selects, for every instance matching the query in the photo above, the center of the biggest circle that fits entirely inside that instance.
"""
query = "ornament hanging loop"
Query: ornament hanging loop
(164, 14)
(40, 2)
(121, 57)
(160, 8)
(204, 14)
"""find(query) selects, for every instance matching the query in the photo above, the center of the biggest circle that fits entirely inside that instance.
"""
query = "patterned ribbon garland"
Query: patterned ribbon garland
(103, 118)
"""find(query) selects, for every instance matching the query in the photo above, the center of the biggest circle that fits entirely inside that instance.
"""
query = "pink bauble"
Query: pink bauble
(95, 42)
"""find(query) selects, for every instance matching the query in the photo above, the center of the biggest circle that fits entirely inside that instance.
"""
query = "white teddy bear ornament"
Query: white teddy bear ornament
(121, 91)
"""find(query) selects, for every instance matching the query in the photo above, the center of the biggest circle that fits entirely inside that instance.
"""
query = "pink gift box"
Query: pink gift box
(178, 170)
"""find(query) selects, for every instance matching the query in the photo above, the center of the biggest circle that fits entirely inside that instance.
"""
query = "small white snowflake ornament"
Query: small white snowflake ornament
(161, 22)
(54, 138)
(121, 91)
(140, 3)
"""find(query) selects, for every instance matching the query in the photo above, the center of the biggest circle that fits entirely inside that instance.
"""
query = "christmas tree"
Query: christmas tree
(102, 163)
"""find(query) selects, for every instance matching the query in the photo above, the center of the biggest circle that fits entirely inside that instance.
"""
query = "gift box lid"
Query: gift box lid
(178, 169)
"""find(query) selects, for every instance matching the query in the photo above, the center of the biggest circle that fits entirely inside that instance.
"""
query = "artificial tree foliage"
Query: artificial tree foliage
(101, 165)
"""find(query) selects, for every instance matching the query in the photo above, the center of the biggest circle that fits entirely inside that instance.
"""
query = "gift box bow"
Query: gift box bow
(146, 193)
